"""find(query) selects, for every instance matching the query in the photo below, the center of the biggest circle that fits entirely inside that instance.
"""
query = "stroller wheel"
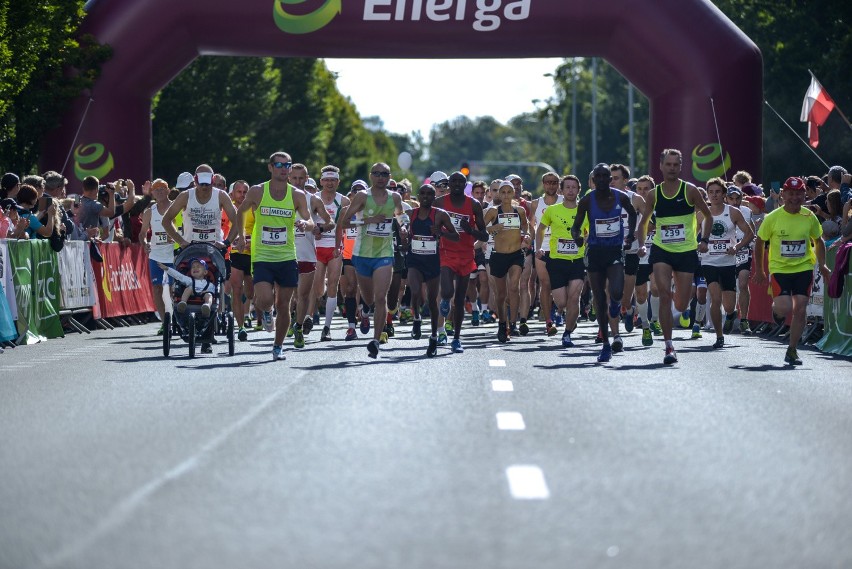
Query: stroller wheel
(190, 324)
(230, 333)
(167, 333)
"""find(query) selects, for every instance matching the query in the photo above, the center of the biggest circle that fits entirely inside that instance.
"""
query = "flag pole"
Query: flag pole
(796, 133)
(843, 116)
(79, 128)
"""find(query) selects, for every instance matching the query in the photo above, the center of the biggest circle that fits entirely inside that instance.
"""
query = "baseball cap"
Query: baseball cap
(201, 262)
(794, 183)
(438, 176)
(511, 177)
(506, 182)
(312, 183)
(9, 181)
(159, 183)
(184, 180)
(751, 190)
(734, 190)
(758, 201)
(361, 183)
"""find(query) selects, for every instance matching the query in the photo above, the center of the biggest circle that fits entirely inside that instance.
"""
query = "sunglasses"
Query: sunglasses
(282, 164)
(442, 185)
(378, 174)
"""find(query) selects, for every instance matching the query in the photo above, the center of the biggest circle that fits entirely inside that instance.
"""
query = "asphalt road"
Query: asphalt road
(113, 456)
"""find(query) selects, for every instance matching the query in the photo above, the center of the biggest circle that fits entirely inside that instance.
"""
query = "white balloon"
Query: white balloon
(404, 160)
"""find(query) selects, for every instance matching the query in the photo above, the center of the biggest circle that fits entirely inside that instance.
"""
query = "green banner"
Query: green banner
(35, 272)
(837, 316)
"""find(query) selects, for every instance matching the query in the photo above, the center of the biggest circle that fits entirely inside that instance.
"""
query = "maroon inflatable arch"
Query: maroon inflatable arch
(679, 53)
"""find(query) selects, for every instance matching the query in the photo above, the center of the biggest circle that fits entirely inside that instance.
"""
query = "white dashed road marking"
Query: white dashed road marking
(502, 385)
(510, 421)
(497, 363)
(526, 482)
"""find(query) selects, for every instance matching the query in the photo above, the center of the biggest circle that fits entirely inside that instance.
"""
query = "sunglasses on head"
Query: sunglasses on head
(282, 164)
(378, 174)
(444, 184)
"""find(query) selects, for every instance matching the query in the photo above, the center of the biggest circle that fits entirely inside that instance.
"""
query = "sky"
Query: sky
(508, 87)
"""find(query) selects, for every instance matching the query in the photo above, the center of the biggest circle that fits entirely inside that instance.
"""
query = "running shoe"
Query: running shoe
(617, 345)
(599, 338)
(502, 336)
(592, 314)
(696, 331)
(316, 319)
(448, 327)
(719, 343)
(445, 307)
(614, 309)
(259, 326)
(181, 307)
(468, 307)
(291, 330)
(566, 340)
(474, 318)
(606, 354)
(205, 311)
(728, 326)
(307, 325)
(405, 316)
(745, 328)
(627, 319)
(365, 323)
(415, 329)
(792, 357)
(373, 349)
(550, 329)
(513, 330)
(276, 354)
(487, 317)
(684, 320)
(298, 338)
(268, 323)
(523, 328)
(670, 358)
(326, 334)
(433, 347)
(457, 347)
(656, 328)
(351, 335)
(442, 338)
(647, 337)
(383, 338)
(160, 331)
(206, 348)
(242, 335)
(389, 329)
(560, 320)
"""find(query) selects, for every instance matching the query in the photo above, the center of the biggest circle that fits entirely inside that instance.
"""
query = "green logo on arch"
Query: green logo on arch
(305, 23)
(707, 162)
(89, 160)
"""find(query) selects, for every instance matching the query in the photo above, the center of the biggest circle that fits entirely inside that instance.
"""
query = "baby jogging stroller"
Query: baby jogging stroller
(192, 326)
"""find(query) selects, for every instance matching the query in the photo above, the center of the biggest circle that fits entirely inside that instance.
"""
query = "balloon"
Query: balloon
(404, 160)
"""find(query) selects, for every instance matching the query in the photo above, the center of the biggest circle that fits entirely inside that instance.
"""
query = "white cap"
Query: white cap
(312, 183)
(505, 183)
(511, 177)
(438, 176)
(359, 183)
(184, 181)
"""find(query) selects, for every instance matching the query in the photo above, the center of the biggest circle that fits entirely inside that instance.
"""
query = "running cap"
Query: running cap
(438, 176)
(511, 177)
(330, 175)
(205, 178)
(201, 262)
(505, 183)
(159, 183)
(794, 183)
(734, 190)
(184, 181)
(312, 183)
(361, 183)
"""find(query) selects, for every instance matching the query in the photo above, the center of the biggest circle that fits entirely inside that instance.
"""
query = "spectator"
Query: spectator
(27, 198)
(832, 219)
(839, 179)
(35, 181)
(742, 178)
(90, 210)
(9, 186)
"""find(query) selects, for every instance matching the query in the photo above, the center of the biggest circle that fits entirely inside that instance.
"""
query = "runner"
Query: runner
(457, 260)
(508, 224)
(240, 279)
(794, 238)
(605, 252)
(646, 289)
(718, 265)
(349, 280)
(744, 257)
(620, 177)
(526, 275)
(550, 183)
(373, 252)
(160, 247)
(477, 288)
(428, 226)
(565, 266)
(329, 260)
(674, 256)
(275, 272)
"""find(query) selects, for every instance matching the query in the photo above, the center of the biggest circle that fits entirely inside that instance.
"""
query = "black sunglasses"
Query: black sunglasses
(282, 164)
(378, 174)
(444, 184)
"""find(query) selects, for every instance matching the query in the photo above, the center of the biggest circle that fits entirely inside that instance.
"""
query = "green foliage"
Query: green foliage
(38, 47)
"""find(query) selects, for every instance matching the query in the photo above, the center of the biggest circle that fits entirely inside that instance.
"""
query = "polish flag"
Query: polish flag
(815, 109)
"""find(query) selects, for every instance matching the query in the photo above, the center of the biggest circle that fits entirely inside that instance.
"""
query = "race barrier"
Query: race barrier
(760, 306)
(123, 281)
(77, 276)
(837, 315)
(8, 306)
(35, 275)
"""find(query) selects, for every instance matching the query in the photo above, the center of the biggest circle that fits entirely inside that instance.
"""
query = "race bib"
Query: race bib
(567, 247)
(649, 240)
(351, 232)
(204, 235)
(273, 235)
(424, 245)
(742, 256)
(793, 249)
(610, 227)
(718, 247)
(161, 238)
(509, 220)
(673, 233)
(382, 229)
(456, 218)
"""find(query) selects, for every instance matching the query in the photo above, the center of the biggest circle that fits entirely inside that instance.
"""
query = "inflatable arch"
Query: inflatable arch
(684, 55)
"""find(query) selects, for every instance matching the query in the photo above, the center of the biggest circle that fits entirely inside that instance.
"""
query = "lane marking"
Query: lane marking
(526, 482)
(497, 363)
(502, 385)
(510, 421)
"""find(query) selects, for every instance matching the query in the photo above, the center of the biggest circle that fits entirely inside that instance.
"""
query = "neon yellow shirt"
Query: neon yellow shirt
(560, 218)
(790, 237)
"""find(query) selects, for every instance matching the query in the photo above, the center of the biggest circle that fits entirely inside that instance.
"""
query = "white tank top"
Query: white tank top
(722, 236)
(743, 256)
(306, 249)
(625, 217)
(162, 246)
(202, 223)
(326, 238)
(539, 213)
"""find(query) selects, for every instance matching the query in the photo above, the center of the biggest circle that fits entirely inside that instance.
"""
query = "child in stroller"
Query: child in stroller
(197, 285)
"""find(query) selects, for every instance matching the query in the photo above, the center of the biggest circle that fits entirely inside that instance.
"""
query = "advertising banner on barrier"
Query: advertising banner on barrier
(7, 299)
(837, 315)
(36, 276)
(123, 280)
(815, 304)
(76, 276)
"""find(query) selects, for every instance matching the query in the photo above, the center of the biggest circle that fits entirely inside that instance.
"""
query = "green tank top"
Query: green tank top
(675, 218)
(375, 240)
(272, 238)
